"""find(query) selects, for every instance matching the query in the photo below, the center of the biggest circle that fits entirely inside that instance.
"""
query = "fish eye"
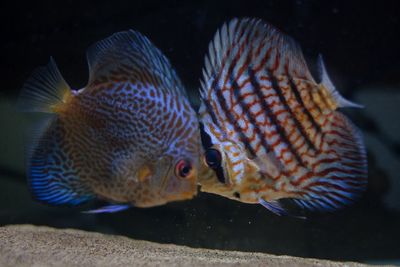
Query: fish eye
(183, 168)
(213, 158)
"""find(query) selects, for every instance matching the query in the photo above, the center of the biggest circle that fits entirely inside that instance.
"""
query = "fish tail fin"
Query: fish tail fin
(53, 175)
(326, 83)
(44, 91)
(340, 176)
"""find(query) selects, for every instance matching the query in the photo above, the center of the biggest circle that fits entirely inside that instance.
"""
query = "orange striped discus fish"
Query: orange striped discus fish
(130, 136)
(270, 132)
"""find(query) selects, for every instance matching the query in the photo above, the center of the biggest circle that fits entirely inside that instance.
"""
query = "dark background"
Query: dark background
(360, 42)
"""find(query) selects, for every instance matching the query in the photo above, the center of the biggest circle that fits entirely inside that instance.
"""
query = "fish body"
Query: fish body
(129, 136)
(269, 130)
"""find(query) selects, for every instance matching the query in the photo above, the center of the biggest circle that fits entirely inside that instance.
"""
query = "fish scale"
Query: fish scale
(259, 97)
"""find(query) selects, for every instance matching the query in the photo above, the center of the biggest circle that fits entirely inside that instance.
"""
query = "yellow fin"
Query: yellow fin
(44, 91)
(60, 106)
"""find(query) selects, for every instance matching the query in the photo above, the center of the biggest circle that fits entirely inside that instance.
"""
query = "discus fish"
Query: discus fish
(130, 136)
(270, 131)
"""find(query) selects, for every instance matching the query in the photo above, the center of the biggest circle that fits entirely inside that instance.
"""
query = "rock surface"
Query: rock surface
(27, 245)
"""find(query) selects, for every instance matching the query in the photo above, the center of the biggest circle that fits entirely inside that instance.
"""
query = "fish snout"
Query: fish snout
(182, 181)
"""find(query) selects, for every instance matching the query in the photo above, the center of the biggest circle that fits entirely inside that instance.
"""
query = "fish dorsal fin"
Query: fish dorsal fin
(327, 84)
(253, 43)
(130, 56)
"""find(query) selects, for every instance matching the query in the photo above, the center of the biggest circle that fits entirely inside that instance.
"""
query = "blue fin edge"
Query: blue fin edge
(112, 208)
(275, 207)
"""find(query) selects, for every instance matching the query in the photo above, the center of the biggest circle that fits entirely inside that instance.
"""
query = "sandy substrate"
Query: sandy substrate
(27, 245)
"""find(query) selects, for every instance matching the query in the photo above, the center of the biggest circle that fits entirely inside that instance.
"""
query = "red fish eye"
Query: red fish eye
(183, 168)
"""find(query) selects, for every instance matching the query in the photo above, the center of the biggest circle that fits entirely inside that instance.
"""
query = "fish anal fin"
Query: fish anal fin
(336, 182)
(44, 91)
(52, 178)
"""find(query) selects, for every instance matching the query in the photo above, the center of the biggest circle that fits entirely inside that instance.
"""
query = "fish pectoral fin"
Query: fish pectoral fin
(109, 209)
(269, 165)
(45, 90)
(144, 173)
(273, 206)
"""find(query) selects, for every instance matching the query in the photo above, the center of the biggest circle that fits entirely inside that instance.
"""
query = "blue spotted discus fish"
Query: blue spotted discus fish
(130, 136)
(270, 131)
